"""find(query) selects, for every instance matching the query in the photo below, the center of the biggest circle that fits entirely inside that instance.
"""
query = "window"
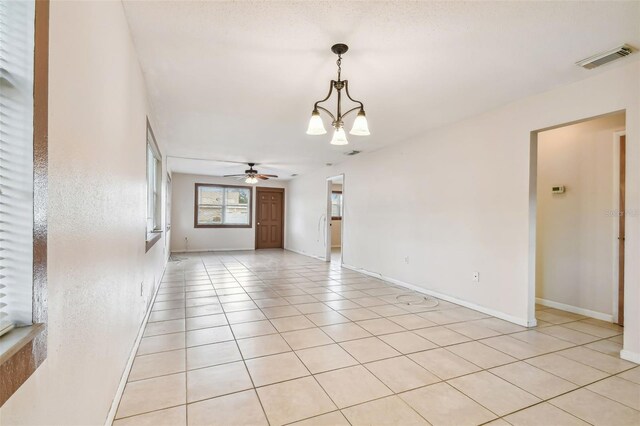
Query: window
(16, 163)
(154, 185)
(24, 59)
(336, 205)
(219, 206)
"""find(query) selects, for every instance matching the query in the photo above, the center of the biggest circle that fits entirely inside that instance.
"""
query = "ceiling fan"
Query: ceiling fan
(252, 175)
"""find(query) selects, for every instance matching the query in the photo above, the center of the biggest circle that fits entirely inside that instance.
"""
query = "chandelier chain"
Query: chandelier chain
(339, 63)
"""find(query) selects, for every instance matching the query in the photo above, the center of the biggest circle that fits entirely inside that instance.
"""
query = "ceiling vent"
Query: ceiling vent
(606, 57)
(354, 152)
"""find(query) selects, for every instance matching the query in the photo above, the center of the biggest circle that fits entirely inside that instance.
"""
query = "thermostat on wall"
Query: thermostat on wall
(557, 189)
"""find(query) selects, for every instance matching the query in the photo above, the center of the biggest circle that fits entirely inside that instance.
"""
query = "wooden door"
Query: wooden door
(269, 218)
(621, 233)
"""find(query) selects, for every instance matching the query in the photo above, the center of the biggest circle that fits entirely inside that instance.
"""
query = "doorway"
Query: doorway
(269, 218)
(577, 199)
(335, 222)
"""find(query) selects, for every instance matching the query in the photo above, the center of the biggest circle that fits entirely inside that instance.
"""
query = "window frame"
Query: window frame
(222, 225)
(341, 206)
(153, 235)
(24, 349)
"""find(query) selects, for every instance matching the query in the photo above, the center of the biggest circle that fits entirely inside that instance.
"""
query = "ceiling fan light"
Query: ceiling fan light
(316, 126)
(251, 179)
(339, 137)
(360, 125)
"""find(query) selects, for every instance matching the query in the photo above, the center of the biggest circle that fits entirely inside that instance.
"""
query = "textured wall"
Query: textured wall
(97, 213)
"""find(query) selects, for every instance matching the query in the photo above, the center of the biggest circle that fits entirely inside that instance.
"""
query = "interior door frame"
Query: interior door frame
(328, 215)
(618, 274)
(257, 198)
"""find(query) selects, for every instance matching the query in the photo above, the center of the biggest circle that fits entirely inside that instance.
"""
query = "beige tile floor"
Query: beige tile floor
(272, 337)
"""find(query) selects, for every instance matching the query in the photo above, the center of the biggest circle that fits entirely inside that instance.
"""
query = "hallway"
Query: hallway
(273, 337)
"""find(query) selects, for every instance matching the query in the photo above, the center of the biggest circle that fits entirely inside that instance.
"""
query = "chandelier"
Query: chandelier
(360, 126)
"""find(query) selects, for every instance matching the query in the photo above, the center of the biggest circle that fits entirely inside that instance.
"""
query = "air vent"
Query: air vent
(354, 152)
(606, 57)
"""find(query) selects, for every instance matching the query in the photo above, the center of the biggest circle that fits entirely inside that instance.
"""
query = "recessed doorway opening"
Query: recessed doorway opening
(577, 208)
(335, 219)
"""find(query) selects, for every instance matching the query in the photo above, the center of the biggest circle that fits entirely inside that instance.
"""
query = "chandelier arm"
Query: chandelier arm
(315, 106)
(352, 109)
(346, 90)
(326, 110)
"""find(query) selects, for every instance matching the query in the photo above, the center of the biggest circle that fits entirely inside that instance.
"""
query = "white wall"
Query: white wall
(203, 239)
(576, 234)
(97, 218)
(470, 210)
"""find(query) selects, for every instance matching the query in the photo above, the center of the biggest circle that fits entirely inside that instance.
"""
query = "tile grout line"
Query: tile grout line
(298, 357)
(407, 330)
(264, 412)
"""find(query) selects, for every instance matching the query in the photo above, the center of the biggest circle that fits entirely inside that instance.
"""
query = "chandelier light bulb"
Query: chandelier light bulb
(316, 126)
(339, 137)
(360, 125)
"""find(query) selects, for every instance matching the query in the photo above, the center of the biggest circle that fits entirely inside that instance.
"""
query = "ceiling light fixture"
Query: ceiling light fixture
(360, 125)
(251, 175)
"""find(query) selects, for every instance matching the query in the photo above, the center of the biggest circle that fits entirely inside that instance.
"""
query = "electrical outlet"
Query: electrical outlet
(476, 277)
(406, 260)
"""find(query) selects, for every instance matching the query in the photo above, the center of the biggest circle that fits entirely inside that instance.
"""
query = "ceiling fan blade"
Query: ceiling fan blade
(263, 177)
(234, 175)
(272, 176)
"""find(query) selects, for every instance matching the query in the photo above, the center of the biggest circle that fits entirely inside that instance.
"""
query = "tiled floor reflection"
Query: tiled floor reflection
(272, 337)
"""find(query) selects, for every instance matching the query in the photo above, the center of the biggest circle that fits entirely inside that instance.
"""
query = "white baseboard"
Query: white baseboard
(575, 309)
(630, 356)
(213, 250)
(520, 321)
(306, 254)
(127, 369)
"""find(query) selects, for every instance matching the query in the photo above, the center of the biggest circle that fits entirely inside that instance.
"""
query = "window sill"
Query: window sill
(16, 339)
(152, 238)
(18, 358)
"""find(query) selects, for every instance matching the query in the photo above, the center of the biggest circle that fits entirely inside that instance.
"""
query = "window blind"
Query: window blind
(16, 162)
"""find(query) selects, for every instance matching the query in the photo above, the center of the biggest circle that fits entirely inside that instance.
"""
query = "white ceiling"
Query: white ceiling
(236, 81)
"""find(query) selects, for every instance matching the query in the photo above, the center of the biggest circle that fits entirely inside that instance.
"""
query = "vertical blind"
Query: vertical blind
(16, 162)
